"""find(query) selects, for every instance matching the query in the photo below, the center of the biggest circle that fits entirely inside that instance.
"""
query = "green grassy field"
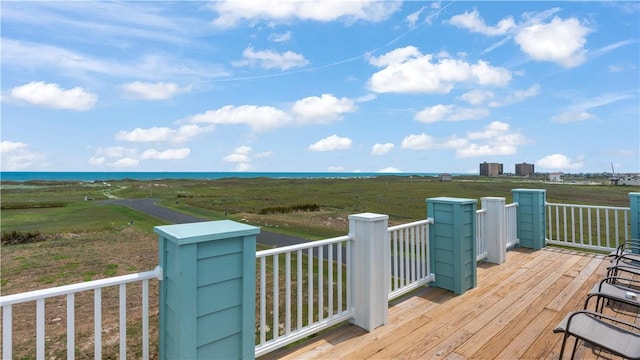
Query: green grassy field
(29, 207)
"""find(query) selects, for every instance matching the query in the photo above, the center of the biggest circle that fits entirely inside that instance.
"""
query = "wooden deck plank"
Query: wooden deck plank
(570, 291)
(449, 322)
(510, 314)
(416, 325)
(547, 345)
(529, 289)
(497, 335)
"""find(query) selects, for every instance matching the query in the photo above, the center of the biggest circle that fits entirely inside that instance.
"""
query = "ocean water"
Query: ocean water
(22, 176)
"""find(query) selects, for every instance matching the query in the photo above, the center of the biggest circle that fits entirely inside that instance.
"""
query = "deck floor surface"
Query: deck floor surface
(509, 315)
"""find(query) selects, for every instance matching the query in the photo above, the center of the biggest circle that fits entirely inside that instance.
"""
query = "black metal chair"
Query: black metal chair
(614, 288)
(613, 335)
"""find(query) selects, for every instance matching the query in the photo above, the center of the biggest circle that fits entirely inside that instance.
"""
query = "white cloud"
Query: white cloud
(97, 160)
(263, 154)
(449, 113)
(572, 116)
(123, 157)
(335, 168)
(406, 70)
(517, 96)
(17, 156)
(366, 98)
(231, 12)
(494, 139)
(475, 150)
(259, 118)
(331, 143)
(389, 169)
(170, 154)
(283, 37)
(268, 59)
(52, 96)
(381, 149)
(558, 162)
(477, 97)
(323, 109)
(241, 156)
(472, 21)
(125, 163)
(492, 130)
(428, 142)
(153, 91)
(419, 142)
(149, 66)
(616, 68)
(182, 134)
(414, 16)
(608, 48)
(579, 111)
(116, 152)
(560, 41)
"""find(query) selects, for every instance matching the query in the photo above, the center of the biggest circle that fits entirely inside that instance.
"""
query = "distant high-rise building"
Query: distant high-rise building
(525, 169)
(490, 169)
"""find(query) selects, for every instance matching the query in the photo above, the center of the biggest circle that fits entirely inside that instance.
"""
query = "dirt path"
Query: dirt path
(150, 207)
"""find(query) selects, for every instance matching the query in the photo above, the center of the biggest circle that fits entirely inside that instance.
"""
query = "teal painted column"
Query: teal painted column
(634, 205)
(207, 294)
(531, 217)
(452, 243)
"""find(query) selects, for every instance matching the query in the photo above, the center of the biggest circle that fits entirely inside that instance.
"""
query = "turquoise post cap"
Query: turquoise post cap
(207, 230)
(452, 199)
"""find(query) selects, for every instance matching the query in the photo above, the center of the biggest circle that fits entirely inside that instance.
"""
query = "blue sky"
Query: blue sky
(320, 86)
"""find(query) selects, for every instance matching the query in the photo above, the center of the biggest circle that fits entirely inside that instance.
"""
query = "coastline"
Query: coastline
(24, 176)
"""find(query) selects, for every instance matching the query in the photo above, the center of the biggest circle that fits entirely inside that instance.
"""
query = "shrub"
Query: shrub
(289, 209)
(21, 237)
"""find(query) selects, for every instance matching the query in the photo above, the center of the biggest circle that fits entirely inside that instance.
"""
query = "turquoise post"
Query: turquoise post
(634, 205)
(207, 294)
(531, 217)
(452, 243)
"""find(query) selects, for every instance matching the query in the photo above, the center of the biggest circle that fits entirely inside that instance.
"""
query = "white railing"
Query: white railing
(313, 289)
(586, 226)
(39, 296)
(481, 248)
(511, 224)
(409, 257)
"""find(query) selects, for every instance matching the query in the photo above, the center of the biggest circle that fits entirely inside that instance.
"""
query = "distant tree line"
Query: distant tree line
(289, 209)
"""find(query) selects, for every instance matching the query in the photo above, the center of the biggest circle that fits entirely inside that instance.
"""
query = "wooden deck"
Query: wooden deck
(509, 315)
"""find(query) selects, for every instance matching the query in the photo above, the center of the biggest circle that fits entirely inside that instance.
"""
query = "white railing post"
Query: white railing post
(494, 229)
(371, 269)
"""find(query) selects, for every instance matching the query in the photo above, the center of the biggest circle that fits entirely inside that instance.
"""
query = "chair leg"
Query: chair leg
(564, 342)
(575, 346)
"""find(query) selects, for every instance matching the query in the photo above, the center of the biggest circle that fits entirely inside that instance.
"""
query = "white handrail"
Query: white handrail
(75, 288)
(411, 224)
(410, 266)
(593, 227)
(321, 308)
(39, 296)
(301, 246)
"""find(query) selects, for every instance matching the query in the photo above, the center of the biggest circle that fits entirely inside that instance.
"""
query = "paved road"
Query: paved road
(150, 207)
